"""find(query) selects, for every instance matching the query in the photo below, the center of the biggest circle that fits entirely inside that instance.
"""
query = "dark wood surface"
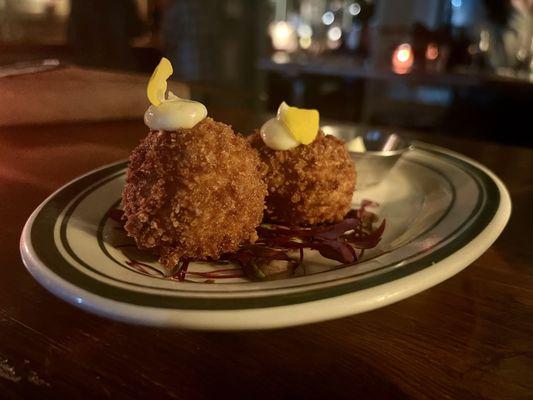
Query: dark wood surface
(470, 337)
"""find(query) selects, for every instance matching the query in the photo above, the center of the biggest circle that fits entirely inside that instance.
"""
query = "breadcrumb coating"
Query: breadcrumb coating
(194, 193)
(310, 184)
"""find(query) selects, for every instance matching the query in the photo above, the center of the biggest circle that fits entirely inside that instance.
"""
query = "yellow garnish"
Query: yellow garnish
(301, 123)
(157, 85)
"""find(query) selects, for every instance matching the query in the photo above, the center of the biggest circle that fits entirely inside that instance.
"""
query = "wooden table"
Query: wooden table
(470, 337)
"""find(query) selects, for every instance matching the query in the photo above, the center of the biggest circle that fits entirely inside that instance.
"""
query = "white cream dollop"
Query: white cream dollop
(174, 113)
(292, 127)
(276, 135)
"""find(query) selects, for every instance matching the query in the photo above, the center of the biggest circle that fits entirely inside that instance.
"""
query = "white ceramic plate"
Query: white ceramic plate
(442, 210)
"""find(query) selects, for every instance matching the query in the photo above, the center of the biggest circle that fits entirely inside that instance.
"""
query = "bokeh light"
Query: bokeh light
(334, 33)
(402, 59)
(432, 51)
(328, 18)
(283, 36)
(354, 9)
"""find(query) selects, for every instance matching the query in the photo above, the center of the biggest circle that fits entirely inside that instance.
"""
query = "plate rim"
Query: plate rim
(278, 315)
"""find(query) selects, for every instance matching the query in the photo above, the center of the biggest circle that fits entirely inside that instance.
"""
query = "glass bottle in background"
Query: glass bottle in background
(505, 37)
(518, 39)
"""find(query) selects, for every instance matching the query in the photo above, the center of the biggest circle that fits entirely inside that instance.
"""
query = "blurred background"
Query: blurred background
(462, 67)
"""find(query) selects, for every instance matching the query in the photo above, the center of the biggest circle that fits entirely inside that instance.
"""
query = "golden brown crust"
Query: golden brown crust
(193, 193)
(310, 184)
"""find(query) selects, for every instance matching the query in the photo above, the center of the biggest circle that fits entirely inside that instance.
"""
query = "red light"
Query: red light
(402, 58)
(432, 51)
